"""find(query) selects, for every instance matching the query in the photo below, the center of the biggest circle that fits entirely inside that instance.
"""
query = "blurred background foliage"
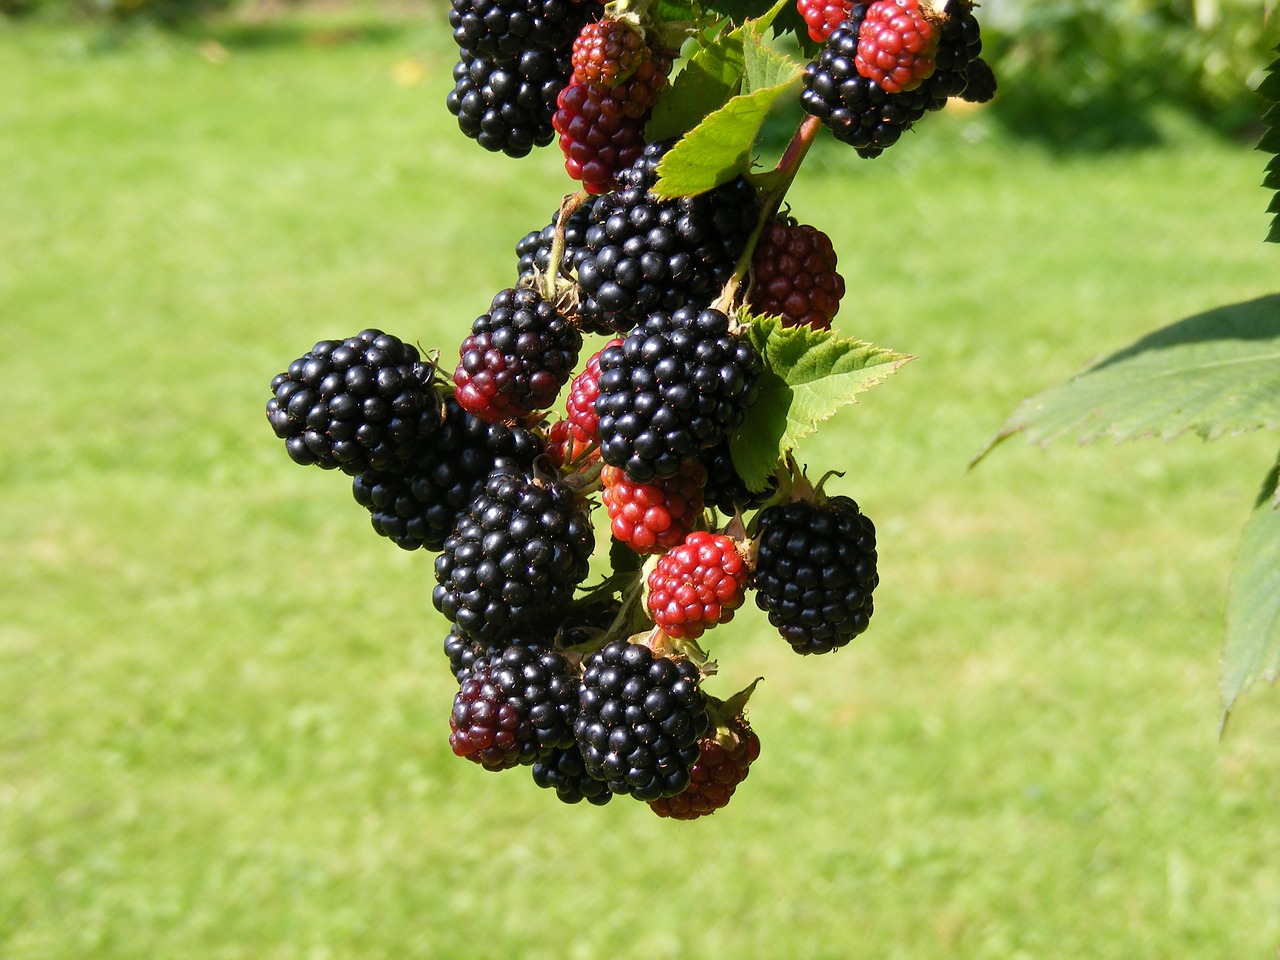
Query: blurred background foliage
(1107, 67)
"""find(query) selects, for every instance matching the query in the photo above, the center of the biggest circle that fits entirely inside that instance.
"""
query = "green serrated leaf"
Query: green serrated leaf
(718, 148)
(1252, 647)
(808, 376)
(1270, 142)
(708, 81)
(1273, 235)
(1214, 373)
(1269, 88)
(766, 67)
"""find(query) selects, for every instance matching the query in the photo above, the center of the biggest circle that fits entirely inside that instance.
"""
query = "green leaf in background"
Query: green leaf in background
(808, 375)
(710, 78)
(1269, 90)
(1214, 373)
(1252, 647)
(674, 11)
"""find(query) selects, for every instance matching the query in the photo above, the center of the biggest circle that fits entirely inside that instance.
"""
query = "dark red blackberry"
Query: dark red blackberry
(565, 772)
(896, 45)
(725, 489)
(502, 30)
(364, 403)
(815, 572)
(514, 558)
(639, 720)
(607, 52)
(675, 387)
(418, 505)
(654, 516)
(534, 249)
(643, 254)
(601, 128)
(794, 275)
(981, 85)
(696, 585)
(726, 759)
(506, 106)
(822, 16)
(516, 359)
(580, 407)
(514, 707)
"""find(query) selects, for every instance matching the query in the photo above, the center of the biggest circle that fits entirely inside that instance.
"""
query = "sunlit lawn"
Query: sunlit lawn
(224, 703)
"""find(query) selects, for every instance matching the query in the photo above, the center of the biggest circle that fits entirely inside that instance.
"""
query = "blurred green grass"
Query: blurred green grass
(225, 702)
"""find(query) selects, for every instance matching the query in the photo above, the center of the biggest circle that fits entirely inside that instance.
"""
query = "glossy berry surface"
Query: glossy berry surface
(896, 45)
(725, 762)
(815, 572)
(565, 772)
(506, 106)
(580, 407)
(822, 16)
(654, 516)
(499, 30)
(794, 275)
(697, 584)
(607, 52)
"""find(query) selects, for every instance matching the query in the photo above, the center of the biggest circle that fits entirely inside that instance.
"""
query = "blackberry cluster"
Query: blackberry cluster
(815, 572)
(417, 505)
(656, 515)
(675, 387)
(639, 720)
(645, 254)
(364, 403)
(959, 46)
(514, 707)
(514, 558)
(822, 16)
(516, 359)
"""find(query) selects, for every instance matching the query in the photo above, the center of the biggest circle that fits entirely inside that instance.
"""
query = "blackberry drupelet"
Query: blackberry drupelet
(516, 358)
(675, 387)
(502, 30)
(514, 558)
(418, 505)
(507, 106)
(815, 572)
(364, 403)
(514, 707)
(639, 720)
(565, 772)
(644, 254)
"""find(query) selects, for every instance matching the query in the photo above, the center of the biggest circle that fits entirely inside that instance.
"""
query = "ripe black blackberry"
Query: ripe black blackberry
(725, 489)
(506, 106)
(514, 707)
(418, 505)
(982, 82)
(815, 572)
(514, 558)
(504, 29)
(645, 254)
(639, 720)
(364, 403)
(516, 358)
(675, 387)
(565, 772)
(534, 249)
(959, 45)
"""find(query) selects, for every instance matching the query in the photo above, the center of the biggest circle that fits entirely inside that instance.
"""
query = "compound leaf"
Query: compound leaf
(1252, 647)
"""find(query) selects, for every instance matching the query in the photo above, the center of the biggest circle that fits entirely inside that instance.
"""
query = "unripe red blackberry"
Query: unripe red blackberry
(727, 755)
(514, 707)
(514, 558)
(564, 449)
(516, 359)
(815, 572)
(675, 387)
(639, 720)
(822, 16)
(607, 52)
(364, 403)
(644, 254)
(794, 275)
(580, 408)
(697, 585)
(506, 106)
(418, 505)
(654, 516)
(896, 45)
(601, 128)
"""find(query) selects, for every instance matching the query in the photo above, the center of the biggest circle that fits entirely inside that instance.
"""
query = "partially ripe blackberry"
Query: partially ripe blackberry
(794, 275)
(675, 387)
(726, 759)
(896, 45)
(364, 403)
(565, 772)
(418, 505)
(644, 254)
(725, 489)
(514, 558)
(654, 516)
(504, 29)
(815, 572)
(639, 720)
(506, 106)
(514, 707)
(516, 358)
(607, 52)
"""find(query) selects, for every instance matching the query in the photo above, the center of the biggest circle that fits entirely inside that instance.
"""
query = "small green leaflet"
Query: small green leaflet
(1252, 647)
(808, 376)
(710, 78)
(1215, 373)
